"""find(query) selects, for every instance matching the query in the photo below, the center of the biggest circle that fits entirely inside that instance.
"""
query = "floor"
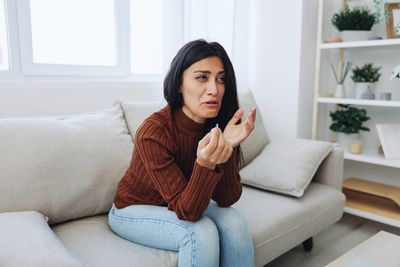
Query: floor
(333, 242)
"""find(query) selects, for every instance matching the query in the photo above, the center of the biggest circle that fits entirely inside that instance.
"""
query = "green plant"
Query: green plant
(356, 19)
(348, 119)
(366, 73)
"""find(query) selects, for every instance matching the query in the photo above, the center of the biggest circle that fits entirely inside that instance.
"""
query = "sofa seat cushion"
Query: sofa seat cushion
(93, 242)
(277, 221)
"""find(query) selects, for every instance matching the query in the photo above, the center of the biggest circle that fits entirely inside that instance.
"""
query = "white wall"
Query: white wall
(274, 63)
(281, 65)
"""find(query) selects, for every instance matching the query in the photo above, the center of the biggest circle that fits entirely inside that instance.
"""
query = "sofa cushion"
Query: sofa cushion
(65, 167)
(257, 140)
(286, 167)
(27, 240)
(277, 222)
(93, 241)
(136, 112)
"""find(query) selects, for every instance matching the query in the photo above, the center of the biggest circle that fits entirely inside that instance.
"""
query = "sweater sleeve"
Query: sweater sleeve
(229, 188)
(187, 199)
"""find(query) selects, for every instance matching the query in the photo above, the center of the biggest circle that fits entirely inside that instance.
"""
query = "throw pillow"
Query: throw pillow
(27, 240)
(136, 112)
(66, 167)
(286, 167)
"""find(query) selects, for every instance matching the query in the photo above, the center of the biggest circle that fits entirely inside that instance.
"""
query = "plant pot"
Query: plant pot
(352, 36)
(350, 142)
(364, 90)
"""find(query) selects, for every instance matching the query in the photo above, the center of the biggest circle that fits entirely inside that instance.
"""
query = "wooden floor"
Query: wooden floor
(333, 242)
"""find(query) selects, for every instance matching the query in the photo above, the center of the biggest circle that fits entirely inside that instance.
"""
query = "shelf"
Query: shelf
(373, 158)
(371, 216)
(369, 43)
(372, 200)
(360, 102)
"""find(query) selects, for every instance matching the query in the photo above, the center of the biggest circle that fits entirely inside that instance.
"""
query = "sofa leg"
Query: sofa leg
(308, 244)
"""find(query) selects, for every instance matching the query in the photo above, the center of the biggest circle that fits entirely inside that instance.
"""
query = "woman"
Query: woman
(184, 172)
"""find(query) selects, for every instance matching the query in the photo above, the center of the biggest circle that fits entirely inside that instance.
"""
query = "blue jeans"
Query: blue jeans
(220, 238)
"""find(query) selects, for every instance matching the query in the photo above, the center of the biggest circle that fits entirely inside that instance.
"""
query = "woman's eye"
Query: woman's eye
(201, 78)
(221, 79)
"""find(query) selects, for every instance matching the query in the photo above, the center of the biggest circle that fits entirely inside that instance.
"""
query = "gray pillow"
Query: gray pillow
(66, 167)
(27, 241)
(136, 112)
(286, 167)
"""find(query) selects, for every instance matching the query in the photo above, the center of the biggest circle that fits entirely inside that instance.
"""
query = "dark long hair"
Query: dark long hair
(189, 54)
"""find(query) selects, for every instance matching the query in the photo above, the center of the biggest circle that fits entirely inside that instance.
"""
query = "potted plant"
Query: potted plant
(354, 24)
(364, 79)
(348, 121)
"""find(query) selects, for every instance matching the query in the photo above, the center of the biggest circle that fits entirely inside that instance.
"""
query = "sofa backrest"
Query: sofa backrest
(64, 167)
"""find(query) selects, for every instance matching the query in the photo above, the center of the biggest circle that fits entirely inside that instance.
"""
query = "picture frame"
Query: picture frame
(389, 136)
(392, 11)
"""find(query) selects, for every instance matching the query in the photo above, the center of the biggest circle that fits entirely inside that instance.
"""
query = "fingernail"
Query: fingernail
(216, 126)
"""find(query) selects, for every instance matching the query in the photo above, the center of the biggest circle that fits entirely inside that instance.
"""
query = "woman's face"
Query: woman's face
(202, 88)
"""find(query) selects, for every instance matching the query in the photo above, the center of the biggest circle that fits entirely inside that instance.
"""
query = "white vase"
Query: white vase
(352, 36)
(349, 142)
(339, 91)
(364, 90)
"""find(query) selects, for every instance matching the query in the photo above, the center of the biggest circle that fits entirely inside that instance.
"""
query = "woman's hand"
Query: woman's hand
(237, 133)
(213, 149)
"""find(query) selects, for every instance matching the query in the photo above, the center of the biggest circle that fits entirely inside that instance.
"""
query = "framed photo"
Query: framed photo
(389, 135)
(392, 11)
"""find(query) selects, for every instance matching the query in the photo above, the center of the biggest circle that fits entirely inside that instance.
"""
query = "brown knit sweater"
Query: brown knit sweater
(163, 169)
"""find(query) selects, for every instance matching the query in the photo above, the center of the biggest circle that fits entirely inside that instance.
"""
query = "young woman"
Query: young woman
(184, 171)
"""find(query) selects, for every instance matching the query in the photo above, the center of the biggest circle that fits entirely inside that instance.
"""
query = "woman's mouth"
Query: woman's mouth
(211, 103)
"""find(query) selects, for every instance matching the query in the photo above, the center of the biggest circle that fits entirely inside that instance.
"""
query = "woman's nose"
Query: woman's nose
(212, 88)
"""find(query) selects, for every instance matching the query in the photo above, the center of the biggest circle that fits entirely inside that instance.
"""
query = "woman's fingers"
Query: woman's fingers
(205, 141)
(236, 117)
(251, 119)
(213, 144)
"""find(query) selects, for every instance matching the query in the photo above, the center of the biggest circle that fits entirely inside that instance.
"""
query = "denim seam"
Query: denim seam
(166, 222)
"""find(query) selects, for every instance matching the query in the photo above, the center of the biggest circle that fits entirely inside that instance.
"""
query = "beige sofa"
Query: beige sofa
(67, 168)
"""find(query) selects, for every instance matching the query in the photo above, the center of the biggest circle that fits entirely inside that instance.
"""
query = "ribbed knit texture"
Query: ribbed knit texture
(163, 169)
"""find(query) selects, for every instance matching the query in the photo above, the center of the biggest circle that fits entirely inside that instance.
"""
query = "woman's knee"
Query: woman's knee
(204, 232)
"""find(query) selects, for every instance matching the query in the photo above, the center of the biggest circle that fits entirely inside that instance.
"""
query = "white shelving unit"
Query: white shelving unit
(359, 102)
(372, 158)
(323, 87)
(372, 216)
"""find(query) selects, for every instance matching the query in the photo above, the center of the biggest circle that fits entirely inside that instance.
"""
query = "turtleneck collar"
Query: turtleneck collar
(185, 123)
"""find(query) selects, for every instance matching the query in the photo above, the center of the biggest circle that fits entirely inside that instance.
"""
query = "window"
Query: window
(73, 32)
(74, 37)
(3, 38)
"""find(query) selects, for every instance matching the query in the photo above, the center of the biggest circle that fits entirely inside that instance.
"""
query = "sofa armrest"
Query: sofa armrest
(330, 172)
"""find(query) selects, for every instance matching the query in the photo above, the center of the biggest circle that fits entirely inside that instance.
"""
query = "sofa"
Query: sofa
(59, 176)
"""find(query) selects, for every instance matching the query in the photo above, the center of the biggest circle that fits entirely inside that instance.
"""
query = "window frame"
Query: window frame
(29, 67)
